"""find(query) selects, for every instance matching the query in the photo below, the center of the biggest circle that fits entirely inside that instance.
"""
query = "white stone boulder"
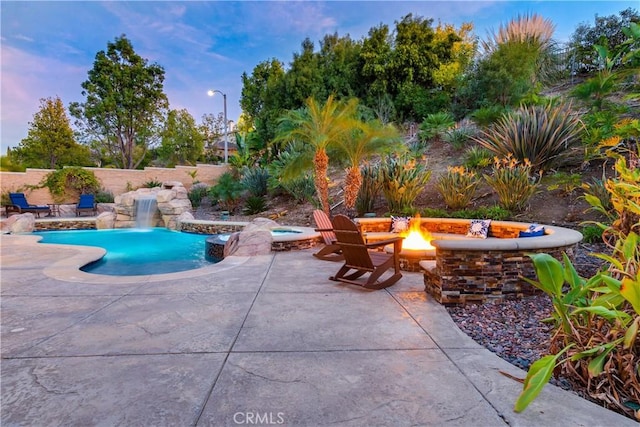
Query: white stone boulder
(23, 223)
(7, 223)
(106, 220)
(254, 239)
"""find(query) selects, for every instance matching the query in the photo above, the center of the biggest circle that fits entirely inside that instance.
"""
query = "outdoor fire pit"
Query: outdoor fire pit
(475, 270)
(416, 247)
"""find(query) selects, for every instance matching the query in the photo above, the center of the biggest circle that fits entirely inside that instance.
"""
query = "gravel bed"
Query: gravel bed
(514, 329)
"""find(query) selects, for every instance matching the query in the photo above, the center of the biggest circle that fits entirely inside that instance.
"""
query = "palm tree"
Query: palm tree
(373, 138)
(318, 127)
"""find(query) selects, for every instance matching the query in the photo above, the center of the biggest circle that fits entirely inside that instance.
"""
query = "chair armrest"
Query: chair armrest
(385, 242)
(322, 229)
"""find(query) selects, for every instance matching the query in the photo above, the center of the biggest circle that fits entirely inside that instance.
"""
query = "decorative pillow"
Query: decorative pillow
(479, 228)
(400, 223)
(533, 231)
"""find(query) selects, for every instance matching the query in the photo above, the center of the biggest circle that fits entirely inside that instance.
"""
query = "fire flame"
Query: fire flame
(415, 238)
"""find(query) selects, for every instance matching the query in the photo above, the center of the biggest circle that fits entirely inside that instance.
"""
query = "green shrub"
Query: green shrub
(403, 179)
(254, 205)
(197, 193)
(458, 137)
(104, 196)
(255, 180)
(227, 191)
(458, 186)
(482, 212)
(477, 157)
(592, 234)
(597, 188)
(434, 213)
(542, 135)
(513, 182)
(435, 125)
(70, 182)
(301, 189)
(369, 189)
(486, 116)
(565, 182)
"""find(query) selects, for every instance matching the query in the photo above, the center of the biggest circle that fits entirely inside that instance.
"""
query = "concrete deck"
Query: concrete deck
(250, 341)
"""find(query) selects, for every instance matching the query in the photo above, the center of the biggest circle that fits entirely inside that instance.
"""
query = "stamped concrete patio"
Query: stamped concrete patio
(261, 340)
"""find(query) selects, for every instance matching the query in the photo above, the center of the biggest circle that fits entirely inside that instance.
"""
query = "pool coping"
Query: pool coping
(69, 269)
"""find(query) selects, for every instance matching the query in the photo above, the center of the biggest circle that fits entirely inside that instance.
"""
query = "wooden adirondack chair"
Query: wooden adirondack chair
(331, 250)
(362, 260)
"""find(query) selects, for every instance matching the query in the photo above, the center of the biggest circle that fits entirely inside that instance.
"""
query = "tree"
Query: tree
(319, 127)
(50, 142)
(374, 59)
(304, 78)
(125, 103)
(263, 98)
(371, 139)
(338, 62)
(182, 142)
(606, 31)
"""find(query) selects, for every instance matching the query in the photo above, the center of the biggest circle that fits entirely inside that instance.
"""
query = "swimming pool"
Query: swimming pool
(136, 252)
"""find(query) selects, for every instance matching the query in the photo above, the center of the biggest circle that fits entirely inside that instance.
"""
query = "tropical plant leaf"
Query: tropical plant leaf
(549, 272)
(630, 290)
(631, 334)
(537, 377)
(596, 365)
(604, 312)
(630, 245)
(570, 273)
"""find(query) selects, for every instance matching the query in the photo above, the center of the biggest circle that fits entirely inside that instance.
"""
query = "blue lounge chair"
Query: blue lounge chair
(19, 204)
(87, 203)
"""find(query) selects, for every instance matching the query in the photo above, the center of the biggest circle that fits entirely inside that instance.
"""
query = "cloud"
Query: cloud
(22, 37)
(27, 78)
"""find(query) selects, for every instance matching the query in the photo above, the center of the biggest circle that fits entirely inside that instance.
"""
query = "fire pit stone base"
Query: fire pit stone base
(472, 270)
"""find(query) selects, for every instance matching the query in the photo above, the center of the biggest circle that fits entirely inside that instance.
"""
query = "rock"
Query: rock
(7, 223)
(106, 220)
(172, 201)
(165, 196)
(250, 243)
(175, 206)
(24, 223)
(261, 224)
(184, 216)
(231, 245)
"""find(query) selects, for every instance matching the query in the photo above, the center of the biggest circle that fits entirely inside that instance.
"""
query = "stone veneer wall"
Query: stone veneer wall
(217, 228)
(67, 224)
(462, 277)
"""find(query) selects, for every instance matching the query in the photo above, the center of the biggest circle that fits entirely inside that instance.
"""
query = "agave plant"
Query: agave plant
(541, 135)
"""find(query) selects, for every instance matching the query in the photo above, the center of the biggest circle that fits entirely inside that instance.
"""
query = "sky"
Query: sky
(48, 47)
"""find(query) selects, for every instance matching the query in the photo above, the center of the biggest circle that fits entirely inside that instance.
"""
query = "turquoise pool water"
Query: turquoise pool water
(136, 252)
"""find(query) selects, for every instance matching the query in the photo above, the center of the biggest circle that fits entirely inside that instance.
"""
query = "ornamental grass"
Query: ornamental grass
(513, 182)
(458, 186)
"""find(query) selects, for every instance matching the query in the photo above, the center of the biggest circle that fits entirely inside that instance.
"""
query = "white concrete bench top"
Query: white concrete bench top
(554, 236)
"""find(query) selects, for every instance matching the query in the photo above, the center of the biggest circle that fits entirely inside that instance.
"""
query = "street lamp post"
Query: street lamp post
(226, 124)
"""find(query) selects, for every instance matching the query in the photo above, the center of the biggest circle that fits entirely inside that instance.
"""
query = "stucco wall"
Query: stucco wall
(117, 181)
